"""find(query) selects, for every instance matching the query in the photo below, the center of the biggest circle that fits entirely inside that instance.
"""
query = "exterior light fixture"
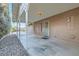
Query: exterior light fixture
(39, 13)
(68, 19)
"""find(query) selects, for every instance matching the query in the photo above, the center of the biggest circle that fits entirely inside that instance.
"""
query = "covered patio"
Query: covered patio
(31, 24)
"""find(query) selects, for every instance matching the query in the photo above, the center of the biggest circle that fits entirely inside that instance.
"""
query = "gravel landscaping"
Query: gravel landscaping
(11, 46)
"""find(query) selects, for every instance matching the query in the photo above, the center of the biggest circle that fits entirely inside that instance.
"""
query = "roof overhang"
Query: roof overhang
(39, 11)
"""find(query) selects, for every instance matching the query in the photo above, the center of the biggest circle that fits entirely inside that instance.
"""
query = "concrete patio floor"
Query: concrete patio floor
(29, 44)
(51, 47)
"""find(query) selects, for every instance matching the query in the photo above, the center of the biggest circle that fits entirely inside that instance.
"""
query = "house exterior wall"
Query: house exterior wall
(37, 28)
(64, 26)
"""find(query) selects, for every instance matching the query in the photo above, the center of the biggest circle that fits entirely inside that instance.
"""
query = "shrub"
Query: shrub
(4, 23)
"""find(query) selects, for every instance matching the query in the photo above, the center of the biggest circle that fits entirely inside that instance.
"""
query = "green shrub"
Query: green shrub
(5, 23)
(13, 29)
(4, 26)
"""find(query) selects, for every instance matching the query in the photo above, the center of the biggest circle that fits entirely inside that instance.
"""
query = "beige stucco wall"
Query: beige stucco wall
(64, 26)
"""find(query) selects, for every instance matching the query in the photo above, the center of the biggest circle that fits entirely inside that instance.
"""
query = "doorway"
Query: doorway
(46, 29)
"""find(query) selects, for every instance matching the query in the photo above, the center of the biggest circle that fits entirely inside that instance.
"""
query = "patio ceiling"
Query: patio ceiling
(39, 11)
